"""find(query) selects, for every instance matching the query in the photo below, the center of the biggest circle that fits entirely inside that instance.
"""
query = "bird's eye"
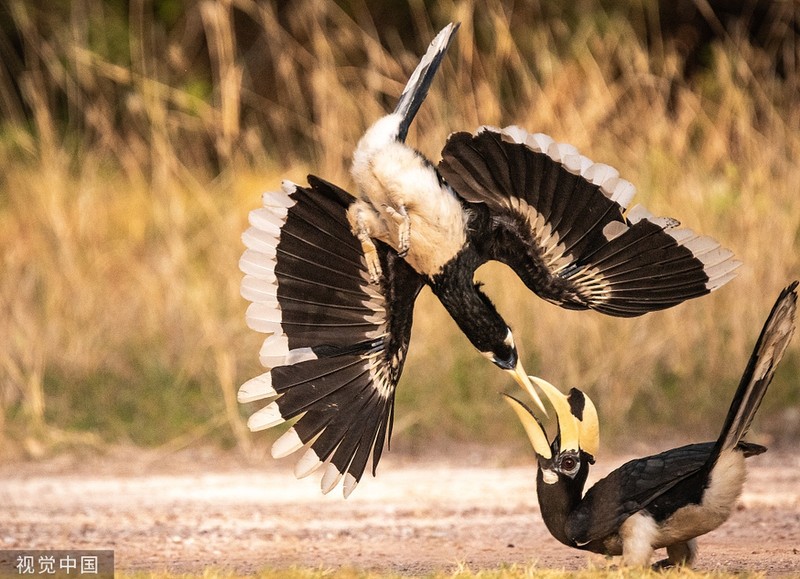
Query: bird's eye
(568, 464)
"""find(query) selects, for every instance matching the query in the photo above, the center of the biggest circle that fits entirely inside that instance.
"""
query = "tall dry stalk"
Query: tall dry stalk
(129, 169)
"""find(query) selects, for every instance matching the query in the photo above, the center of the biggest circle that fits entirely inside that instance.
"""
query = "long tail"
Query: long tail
(771, 344)
(417, 87)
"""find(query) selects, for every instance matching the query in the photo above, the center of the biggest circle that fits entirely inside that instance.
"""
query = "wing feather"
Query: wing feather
(337, 342)
(636, 485)
(562, 223)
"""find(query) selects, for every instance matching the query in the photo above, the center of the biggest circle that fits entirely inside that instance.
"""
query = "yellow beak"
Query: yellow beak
(525, 383)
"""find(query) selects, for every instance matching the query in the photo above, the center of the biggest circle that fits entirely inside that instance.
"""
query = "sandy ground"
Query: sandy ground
(190, 512)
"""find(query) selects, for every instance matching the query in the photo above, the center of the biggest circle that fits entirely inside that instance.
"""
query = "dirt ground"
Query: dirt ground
(185, 513)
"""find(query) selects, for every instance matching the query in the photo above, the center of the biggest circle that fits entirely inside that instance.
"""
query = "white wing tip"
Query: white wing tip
(604, 176)
(721, 278)
(349, 485)
(718, 262)
(614, 229)
(288, 186)
(259, 265)
(330, 478)
(288, 443)
(307, 464)
(267, 417)
(275, 352)
(255, 289)
(264, 318)
(257, 388)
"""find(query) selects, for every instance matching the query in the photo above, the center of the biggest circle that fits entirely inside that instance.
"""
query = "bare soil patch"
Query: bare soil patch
(190, 512)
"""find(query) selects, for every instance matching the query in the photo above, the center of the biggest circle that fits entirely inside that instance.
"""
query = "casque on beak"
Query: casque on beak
(578, 425)
(577, 418)
(525, 383)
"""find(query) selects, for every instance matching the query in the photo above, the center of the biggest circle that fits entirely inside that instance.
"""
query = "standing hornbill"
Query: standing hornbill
(333, 278)
(664, 500)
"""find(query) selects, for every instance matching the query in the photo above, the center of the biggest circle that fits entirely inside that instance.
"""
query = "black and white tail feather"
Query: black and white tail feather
(416, 88)
(562, 223)
(767, 353)
(334, 350)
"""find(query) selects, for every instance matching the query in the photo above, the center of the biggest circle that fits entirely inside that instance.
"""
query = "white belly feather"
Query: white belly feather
(391, 178)
(640, 534)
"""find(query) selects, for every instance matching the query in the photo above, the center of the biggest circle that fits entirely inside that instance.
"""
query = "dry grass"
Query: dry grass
(127, 181)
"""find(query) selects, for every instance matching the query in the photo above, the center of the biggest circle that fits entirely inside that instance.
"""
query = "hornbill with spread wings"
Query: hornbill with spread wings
(664, 500)
(333, 277)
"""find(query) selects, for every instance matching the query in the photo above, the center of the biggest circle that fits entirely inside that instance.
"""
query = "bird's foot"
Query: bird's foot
(678, 555)
(361, 220)
(400, 217)
(663, 564)
(371, 256)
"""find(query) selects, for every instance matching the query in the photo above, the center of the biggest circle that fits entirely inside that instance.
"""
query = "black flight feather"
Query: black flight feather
(339, 342)
(564, 229)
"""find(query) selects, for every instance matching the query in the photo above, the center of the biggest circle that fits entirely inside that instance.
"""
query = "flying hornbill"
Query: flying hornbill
(333, 278)
(664, 500)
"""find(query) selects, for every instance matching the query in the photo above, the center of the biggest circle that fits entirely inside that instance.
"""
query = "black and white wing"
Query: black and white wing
(642, 483)
(336, 343)
(562, 223)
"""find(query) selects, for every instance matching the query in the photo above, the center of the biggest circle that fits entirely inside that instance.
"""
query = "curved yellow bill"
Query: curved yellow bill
(567, 423)
(589, 425)
(532, 426)
(524, 381)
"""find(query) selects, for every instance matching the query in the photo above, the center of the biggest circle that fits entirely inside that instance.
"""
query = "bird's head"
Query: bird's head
(577, 439)
(504, 355)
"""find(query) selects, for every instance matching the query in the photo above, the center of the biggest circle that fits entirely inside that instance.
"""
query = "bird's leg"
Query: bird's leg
(400, 217)
(371, 255)
(679, 554)
(638, 534)
(358, 216)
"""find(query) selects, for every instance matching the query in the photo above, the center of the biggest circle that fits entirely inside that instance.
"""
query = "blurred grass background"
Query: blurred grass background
(136, 135)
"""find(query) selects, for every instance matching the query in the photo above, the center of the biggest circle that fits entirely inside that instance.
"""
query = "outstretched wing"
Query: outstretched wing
(638, 484)
(336, 343)
(562, 223)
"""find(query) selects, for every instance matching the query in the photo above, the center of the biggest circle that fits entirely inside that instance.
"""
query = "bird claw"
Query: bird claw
(400, 217)
(371, 256)
(662, 564)
(678, 555)
(361, 222)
